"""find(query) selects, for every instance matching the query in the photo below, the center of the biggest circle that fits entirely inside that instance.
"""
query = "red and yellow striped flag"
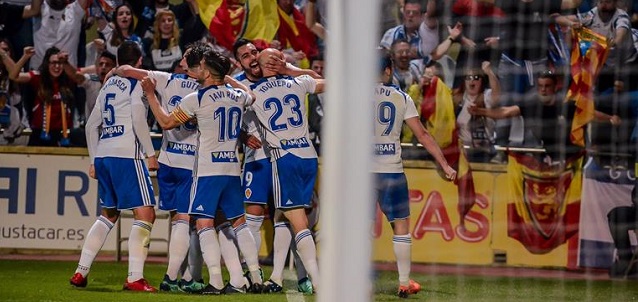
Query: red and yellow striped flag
(228, 20)
(294, 33)
(437, 112)
(589, 52)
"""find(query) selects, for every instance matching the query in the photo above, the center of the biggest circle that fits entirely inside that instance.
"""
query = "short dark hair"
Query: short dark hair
(218, 64)
(108, 55)
(548, 74)
(318, 57)
(239, 43)
(128, 53)
(196, 53)
(385, 61)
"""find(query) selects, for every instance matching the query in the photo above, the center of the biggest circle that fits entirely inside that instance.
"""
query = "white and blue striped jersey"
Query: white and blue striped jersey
(280, 107)
(117, 126)
(218, 110)
(178, 144)
(392, 107)
(251, 125)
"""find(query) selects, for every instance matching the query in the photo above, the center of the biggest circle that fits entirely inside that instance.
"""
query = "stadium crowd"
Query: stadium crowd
(505, 73)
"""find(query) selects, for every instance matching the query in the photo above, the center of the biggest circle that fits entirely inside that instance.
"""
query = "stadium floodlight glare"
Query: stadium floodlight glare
(347, 203)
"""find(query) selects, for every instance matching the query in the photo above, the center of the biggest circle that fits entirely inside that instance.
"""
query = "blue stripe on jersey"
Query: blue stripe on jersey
(200, 93)
(263, 80)
(133, 83)
(174, 76)
(242, 76)
(404, 94)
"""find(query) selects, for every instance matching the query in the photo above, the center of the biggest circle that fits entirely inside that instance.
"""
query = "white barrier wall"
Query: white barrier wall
(50, 202)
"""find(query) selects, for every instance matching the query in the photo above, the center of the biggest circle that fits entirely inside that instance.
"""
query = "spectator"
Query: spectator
(10, 88)
(15, 22)
(480, 37)
(165, 48)
(9, 121)
(402, 76)
(417, 92)
(120, 29)
(51, 112)
(60, 27)
(315, 106)
(146, 12)
(294, 37)
(419, 28)
(547, 117)
(524, 43)
(613, 23)
(478, 131)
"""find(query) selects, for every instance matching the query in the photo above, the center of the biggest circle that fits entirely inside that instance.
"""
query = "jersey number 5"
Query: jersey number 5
(109, 110)
(290, 101)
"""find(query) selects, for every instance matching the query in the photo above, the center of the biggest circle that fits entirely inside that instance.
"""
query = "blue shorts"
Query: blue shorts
(210, 192)
(174, 188)
(257, 182)
(293, 187)
(392, 195)
(123, 183)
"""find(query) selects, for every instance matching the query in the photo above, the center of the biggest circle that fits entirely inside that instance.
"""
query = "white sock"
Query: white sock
(281, 246)
(93, 244)
(402, 251)
(308, 253)
(299, 267)
(248, 248)
(178, 247)
(138, 242)
(195, 260)
(254, 224)
(212, 255)
(230, 255)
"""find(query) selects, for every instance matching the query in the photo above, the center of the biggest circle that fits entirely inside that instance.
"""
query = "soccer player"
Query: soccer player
(280, 109)
(177, 159)
(117, 163)
(218, 109)
(393, 107)
(257, 175)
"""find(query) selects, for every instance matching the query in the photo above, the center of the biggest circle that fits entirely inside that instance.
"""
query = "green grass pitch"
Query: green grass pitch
(48, 281)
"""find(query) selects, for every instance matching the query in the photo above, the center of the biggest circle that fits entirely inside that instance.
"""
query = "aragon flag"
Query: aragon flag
(294, 33)
(589, 52)
(543, 210)
(437, 112)
(228, 20)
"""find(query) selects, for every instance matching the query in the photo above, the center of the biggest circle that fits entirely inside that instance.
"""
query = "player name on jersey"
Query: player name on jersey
(121, 85)
(219, 95)
(273, 84)
(383, 91)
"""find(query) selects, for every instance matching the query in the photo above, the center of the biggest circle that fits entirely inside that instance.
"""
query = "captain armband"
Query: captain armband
(180, 116)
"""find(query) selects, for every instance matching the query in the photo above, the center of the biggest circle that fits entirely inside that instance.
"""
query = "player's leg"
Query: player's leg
(392, 190)
(174, 196)
(230, 254)
(295, 194)
(101, 228)
(257, 187)
(192, 281)
(281, 247)
(206, 195)
(233, 207)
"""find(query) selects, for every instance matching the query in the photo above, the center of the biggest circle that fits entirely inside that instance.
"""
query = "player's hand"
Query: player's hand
(615, 120)
(92, 171)
(153, 165)
(28, 51)
(148, 86)
(276, 64)
(450, 174)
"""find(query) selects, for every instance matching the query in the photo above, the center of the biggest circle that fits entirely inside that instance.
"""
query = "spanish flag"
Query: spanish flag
(294, 33)
(589, 52)
(437, 113)
(543, 210)
(228, 20)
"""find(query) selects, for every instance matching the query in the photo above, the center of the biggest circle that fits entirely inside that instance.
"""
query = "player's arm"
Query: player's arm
(164, 119)
(428, 142)
(321, 85)
(92, 130)
(280, 66)
(129, 71)
(496, 113)
(239, 85)
(140, 128)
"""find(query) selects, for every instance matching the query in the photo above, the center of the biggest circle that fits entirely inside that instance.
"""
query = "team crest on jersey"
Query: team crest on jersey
(175, 100)
(112, 131)
(248, 192)
(224, 157)
(294, 143)
(181, 148)
(384, 149)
